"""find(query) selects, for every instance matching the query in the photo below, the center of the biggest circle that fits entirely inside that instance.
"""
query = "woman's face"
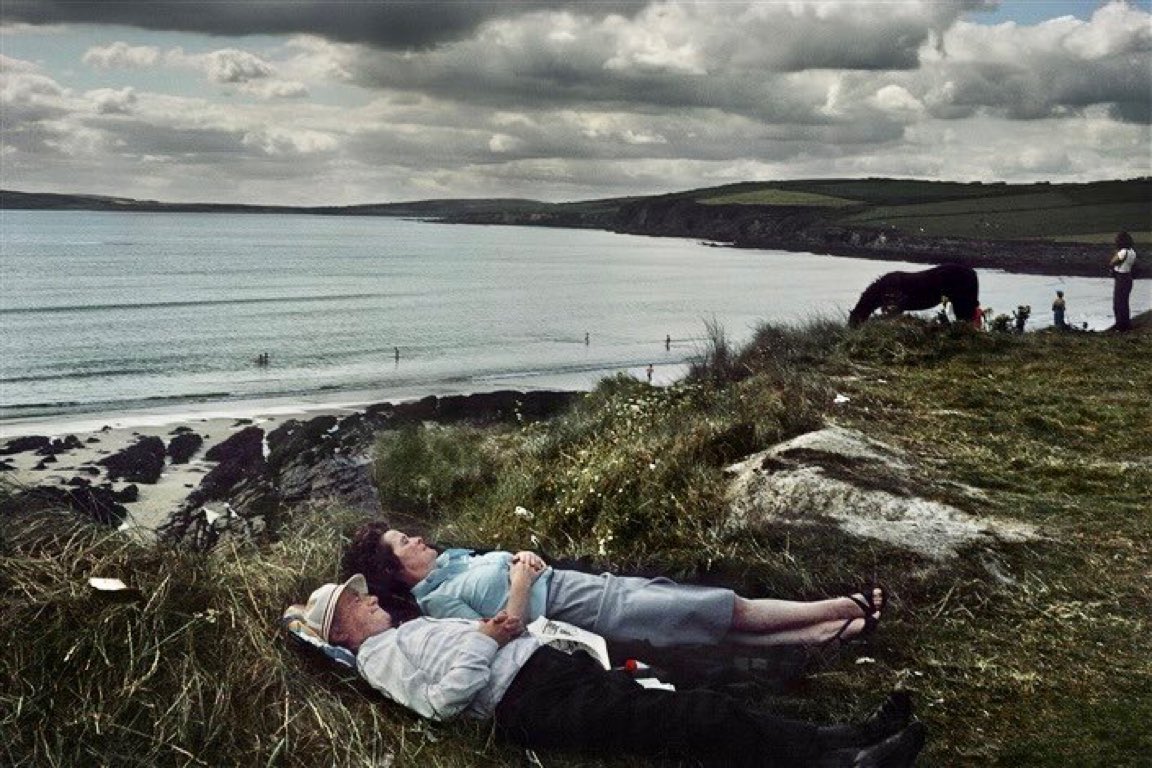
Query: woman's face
(416, 558)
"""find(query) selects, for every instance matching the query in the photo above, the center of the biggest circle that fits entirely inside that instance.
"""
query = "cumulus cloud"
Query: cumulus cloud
(121, 55)
(109, 101)
(249, 73)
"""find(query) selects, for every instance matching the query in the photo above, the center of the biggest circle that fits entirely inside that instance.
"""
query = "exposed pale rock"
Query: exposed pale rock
(862, 486)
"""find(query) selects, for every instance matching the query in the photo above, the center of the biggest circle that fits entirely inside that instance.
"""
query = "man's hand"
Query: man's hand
(502, 628)
(531, 558)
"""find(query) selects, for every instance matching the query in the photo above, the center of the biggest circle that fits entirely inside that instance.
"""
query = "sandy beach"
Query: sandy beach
(101, 435)
(101, 438)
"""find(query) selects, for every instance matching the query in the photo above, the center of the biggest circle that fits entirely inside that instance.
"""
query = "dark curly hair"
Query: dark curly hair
(367, 554)
(1124, 240)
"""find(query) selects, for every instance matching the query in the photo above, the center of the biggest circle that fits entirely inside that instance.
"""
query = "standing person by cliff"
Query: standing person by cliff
(1058, 311)
(1122, 262)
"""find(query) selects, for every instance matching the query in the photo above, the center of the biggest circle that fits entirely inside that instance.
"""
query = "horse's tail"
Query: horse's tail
(964, 292)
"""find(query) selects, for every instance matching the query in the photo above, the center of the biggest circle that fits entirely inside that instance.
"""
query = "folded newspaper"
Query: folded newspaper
(565, 637)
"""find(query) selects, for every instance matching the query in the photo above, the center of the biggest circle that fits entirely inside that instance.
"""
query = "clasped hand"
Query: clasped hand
(502, 628)
(531, 558)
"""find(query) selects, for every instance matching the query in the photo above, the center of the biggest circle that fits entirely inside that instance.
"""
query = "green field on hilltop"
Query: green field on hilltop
(1090, 213)
(777, 197)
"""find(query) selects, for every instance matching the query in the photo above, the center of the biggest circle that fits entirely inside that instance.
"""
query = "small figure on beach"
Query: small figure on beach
(1021, 315)
(1058, 311)
(650, 371)
(586, 338)
(668, 342)
(262, 359)
(1121, 264)
(396, 353)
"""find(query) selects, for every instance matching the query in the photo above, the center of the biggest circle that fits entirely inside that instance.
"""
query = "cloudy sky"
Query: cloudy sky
(336, 102)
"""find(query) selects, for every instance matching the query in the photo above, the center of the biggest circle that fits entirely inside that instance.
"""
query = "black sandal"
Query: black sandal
(868, 610)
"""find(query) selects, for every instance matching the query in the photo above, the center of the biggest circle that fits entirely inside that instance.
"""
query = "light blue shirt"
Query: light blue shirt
(468, 586)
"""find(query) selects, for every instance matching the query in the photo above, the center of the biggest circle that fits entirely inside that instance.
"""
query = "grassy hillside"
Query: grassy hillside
(1027, 655)
(1078, 212)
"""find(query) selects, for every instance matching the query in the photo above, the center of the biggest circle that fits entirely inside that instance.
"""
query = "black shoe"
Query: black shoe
(897, 751)
(890, 717)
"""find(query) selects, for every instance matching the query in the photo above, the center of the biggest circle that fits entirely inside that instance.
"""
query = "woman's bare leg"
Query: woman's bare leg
(786, 622)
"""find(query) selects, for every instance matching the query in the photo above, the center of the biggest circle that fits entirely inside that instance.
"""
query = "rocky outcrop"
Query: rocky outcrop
(26, 443)
(865, 488)
(258, 474)
(183, 447)
(140, 462)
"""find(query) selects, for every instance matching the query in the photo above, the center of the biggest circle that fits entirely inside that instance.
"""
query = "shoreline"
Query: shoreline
(106, 433)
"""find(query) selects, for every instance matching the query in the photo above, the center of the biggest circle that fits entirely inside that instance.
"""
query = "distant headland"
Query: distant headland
(1039, 228)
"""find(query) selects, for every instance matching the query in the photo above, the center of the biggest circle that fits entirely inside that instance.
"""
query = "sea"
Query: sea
(169, 313)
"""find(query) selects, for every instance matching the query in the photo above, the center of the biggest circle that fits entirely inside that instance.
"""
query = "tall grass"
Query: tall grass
(191, 669)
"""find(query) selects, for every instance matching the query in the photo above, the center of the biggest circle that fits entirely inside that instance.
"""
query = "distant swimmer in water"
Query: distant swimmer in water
(262, 359)
(668, 342)
(396, 351)
(585, 338)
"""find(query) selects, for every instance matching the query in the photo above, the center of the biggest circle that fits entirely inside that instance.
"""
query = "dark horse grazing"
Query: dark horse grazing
(902, 291)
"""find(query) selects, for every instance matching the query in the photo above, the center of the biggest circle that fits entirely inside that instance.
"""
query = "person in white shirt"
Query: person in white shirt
(1122, 262)
(542, 698)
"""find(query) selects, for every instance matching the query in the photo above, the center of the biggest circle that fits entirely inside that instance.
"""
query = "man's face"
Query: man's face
(358, 617)
(416, 557)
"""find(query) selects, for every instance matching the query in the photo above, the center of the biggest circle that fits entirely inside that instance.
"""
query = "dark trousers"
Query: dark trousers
(567, 702)
(1121, 291)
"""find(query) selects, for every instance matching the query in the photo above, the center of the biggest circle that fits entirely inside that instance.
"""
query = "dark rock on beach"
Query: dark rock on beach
(27, 443)
(140, 462)
(127, 494)
(184, 446)
(60, 445)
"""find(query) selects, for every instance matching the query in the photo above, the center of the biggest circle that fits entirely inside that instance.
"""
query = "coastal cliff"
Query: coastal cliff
(1055, 229)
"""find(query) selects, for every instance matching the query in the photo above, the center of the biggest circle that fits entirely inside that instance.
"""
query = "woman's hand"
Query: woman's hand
(531, 558)
(521, 572)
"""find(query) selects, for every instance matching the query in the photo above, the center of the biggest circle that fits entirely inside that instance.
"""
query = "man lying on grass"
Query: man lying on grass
(542, 698)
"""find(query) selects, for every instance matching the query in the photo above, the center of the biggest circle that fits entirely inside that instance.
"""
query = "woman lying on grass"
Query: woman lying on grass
(458, 583)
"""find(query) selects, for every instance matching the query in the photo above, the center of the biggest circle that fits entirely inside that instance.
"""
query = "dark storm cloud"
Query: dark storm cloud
(397, 24)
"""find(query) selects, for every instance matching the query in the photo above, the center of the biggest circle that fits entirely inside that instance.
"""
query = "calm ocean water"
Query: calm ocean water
(105, 312)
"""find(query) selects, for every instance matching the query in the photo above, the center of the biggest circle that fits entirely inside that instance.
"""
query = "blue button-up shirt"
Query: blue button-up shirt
(469, 586)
